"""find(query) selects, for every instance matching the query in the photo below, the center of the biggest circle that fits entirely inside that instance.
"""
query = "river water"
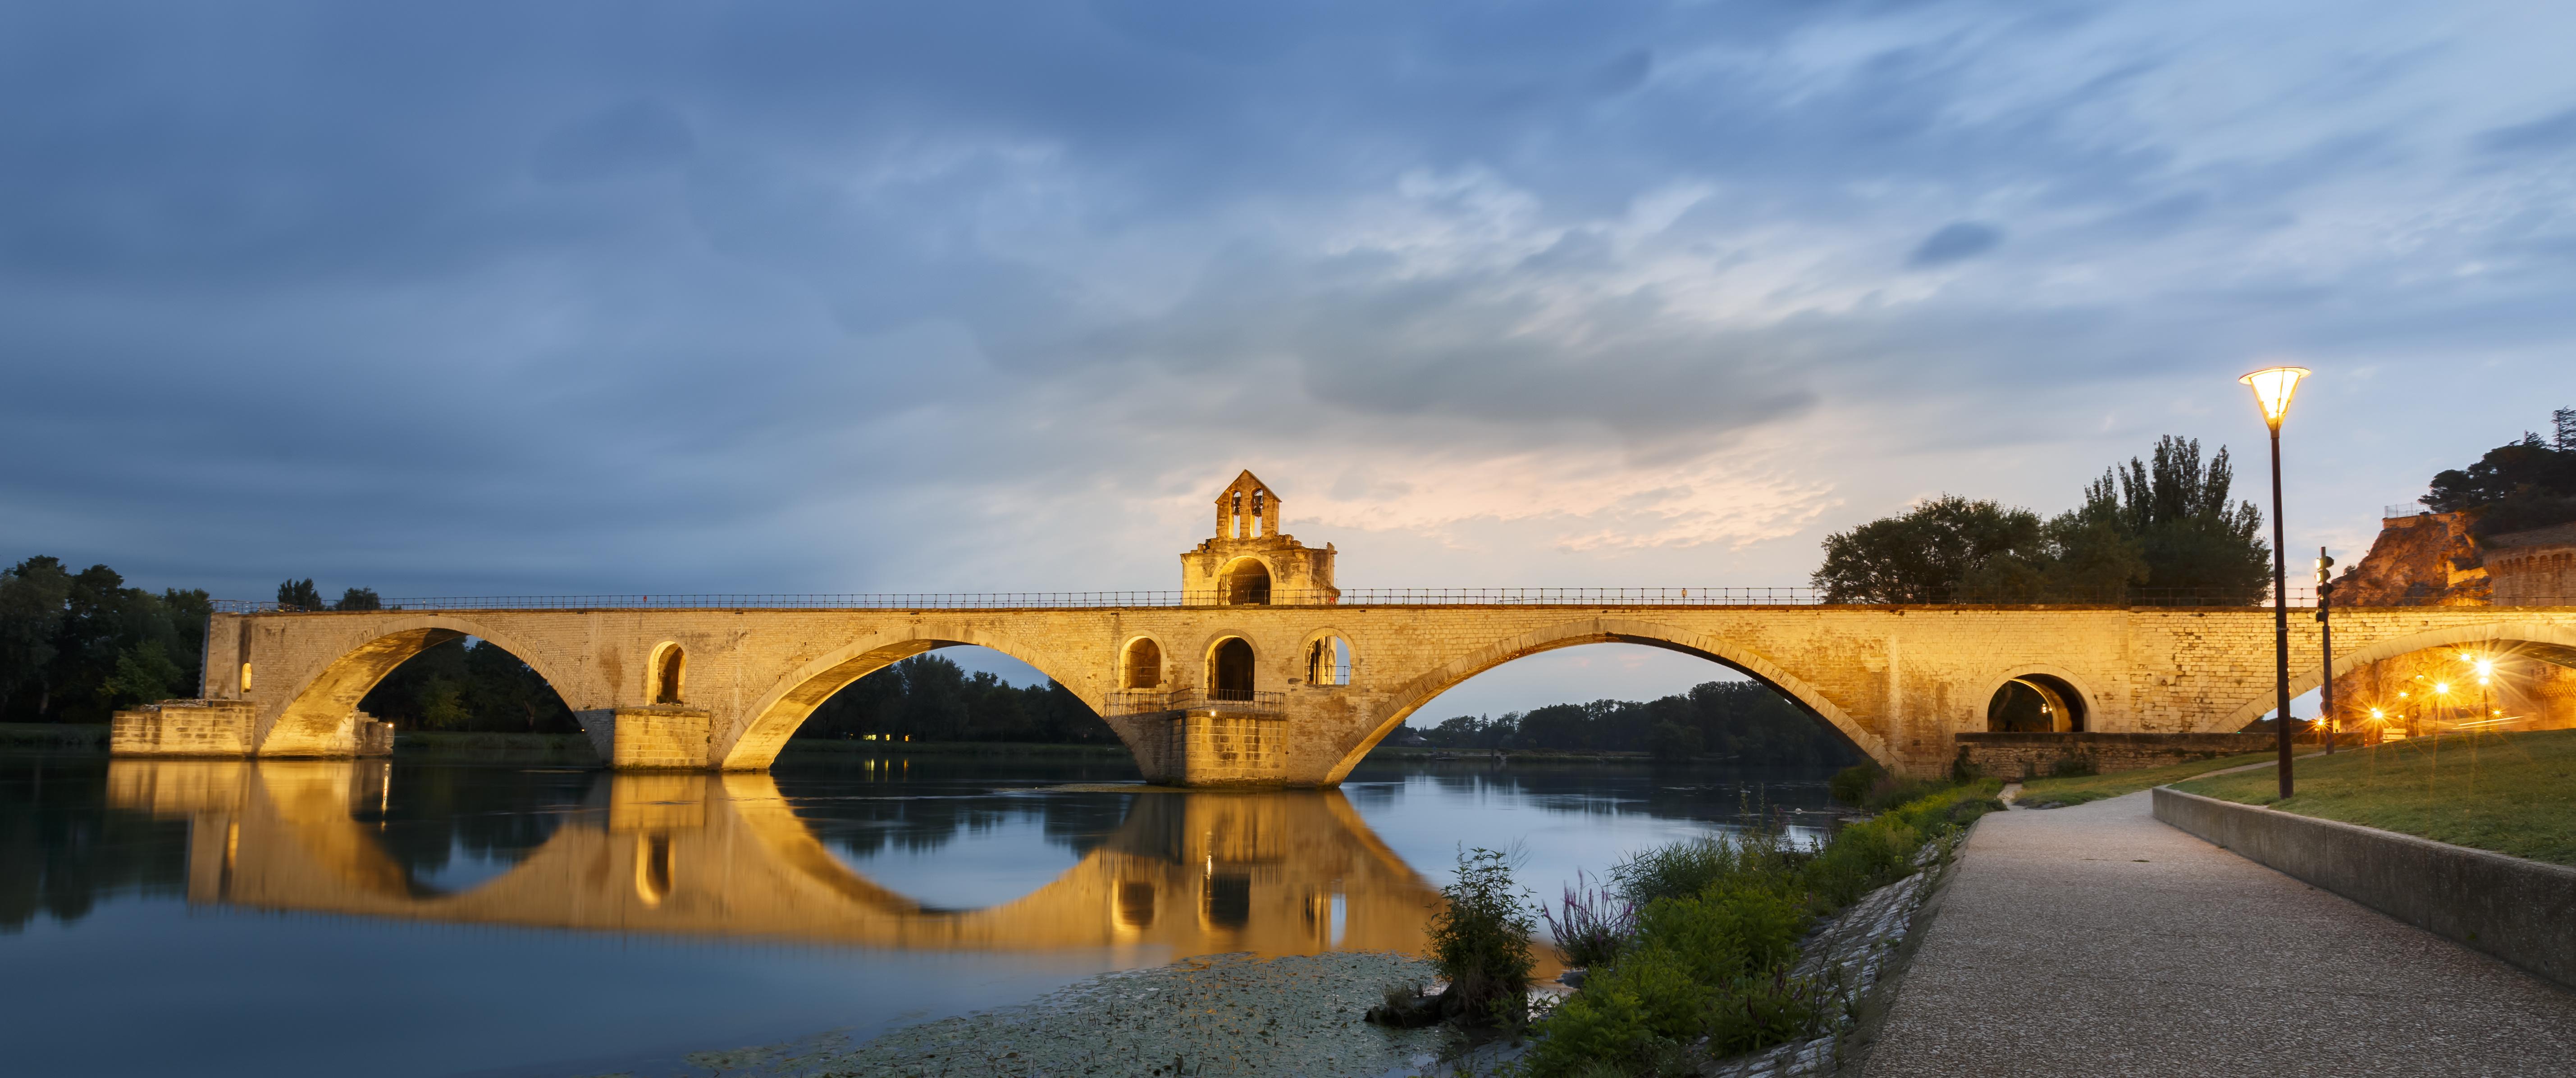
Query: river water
(401, 918)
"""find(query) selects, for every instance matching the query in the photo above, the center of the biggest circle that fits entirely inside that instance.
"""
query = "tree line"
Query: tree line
(75, 647)
(1742, 721)
(2161, 527)
(930, 698)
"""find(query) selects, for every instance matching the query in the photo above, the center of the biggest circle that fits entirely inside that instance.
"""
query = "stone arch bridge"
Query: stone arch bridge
(1290, 690)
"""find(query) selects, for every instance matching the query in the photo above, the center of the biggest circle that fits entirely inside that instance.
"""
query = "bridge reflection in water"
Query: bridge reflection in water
(725, 854)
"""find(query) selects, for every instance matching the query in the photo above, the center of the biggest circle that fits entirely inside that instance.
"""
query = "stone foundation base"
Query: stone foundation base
(1217, 748)
(183, 728)
(651, 738)
(2024, 756)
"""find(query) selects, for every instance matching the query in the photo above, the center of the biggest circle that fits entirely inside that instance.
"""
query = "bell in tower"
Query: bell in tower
(1250, 562)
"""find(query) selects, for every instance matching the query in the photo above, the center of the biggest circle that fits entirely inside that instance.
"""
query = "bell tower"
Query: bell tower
(1251, 562)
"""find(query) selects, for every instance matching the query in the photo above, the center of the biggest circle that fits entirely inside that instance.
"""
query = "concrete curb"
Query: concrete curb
(2523, 912)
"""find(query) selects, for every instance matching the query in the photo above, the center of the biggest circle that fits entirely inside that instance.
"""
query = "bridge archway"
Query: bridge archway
(786, 706)
(2537, 640)
(1247, 582)
(1412, 695)
(2038, 699)
(313, 722)
(1232, 671)
(1140, 664)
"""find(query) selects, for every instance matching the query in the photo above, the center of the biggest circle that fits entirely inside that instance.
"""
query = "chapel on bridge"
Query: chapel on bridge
(1250, 562)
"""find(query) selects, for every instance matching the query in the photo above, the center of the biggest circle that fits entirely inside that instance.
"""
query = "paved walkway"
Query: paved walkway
(2095, 940)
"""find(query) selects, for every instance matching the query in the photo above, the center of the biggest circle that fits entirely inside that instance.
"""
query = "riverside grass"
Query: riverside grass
(2078, 789)
(1706, 974)
(2512, 793)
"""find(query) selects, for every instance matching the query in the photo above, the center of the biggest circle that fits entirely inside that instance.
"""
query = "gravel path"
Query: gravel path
(2095, 940)
(1219, 1015)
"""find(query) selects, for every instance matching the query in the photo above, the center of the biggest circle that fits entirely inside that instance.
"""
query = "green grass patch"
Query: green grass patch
(2078, 789)
(2510, 793)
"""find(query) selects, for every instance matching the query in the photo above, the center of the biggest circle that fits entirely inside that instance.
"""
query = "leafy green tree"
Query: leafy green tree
(357, 599)
(143, 674)
(33, 594)
(300, 595)
(1927, 554)
(2516, 486)
(108, 637)
(2178, 510)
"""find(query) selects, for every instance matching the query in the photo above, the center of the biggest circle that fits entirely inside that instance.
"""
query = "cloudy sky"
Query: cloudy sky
(466, 299)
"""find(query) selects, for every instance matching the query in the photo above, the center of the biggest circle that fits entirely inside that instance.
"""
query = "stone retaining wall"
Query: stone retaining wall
(2521, 911)
(2022, 756)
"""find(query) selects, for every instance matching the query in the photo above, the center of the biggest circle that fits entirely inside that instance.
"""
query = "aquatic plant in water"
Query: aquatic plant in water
(1594, 924)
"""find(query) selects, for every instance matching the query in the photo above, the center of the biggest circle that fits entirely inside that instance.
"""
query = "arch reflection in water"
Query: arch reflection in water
(696, 854)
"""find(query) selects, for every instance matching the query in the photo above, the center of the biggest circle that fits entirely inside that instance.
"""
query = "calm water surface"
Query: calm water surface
(295, 917)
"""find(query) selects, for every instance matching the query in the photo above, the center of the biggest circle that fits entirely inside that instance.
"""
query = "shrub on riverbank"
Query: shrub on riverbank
(1708, 971)
(1480, 941)
(1867, 785)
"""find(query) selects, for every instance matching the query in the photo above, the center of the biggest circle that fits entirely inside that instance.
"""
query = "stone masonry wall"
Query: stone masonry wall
(2018, 756)
(183, 728)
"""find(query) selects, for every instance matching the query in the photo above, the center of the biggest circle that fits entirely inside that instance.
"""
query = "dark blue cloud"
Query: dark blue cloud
(1957, 241)
(2549, 134)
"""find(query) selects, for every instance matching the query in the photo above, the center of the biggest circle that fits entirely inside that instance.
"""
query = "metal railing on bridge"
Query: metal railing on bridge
(1231, 701)
(2299, 598)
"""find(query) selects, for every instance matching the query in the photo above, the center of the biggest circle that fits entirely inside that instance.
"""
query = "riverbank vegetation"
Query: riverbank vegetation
(1706, 970)
(2059, 791)
(2513, 793)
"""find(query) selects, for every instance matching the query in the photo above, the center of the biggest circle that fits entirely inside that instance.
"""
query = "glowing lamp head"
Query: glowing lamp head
(2442, 687)
(2273, 387)
(2486, 667)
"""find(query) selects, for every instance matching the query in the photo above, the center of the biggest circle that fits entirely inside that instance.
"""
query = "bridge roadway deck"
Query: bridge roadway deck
(2095, 940)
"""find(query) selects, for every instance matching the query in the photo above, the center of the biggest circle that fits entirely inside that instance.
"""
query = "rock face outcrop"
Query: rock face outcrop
(2429, 559)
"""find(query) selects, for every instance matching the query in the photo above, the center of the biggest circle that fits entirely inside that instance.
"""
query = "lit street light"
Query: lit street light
(2273, 387)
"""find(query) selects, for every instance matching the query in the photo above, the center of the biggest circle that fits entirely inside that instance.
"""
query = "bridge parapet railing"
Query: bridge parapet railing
(2299, 598)
(1232, 701)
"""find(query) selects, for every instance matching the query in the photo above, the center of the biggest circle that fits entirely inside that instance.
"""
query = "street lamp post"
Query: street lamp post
(2273, 387)
(2325, 645)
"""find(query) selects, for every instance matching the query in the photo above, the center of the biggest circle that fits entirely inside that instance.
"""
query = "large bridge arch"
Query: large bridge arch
(788, 703)
(314, 719)
(1410, 696)
(2547, 641)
